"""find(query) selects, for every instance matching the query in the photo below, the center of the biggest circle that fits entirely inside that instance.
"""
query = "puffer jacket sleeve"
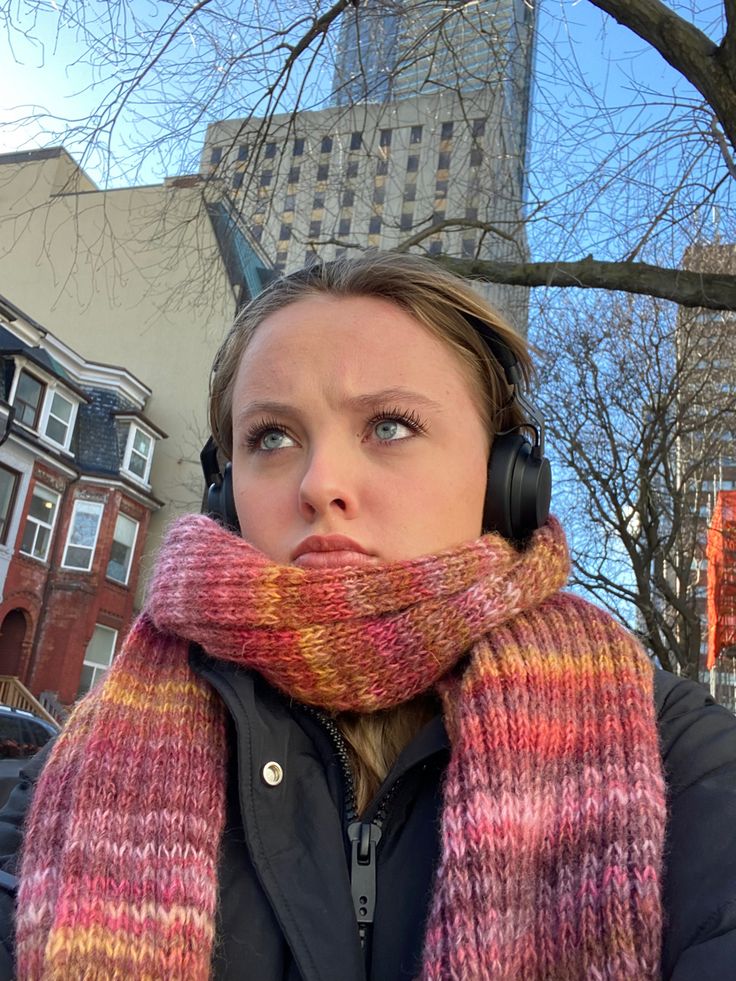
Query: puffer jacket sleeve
(698, 740)
(12, 818)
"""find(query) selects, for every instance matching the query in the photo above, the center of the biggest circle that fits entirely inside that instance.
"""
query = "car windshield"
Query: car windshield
(21, 737)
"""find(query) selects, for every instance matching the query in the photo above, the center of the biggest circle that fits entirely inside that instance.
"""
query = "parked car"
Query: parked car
(22, 734)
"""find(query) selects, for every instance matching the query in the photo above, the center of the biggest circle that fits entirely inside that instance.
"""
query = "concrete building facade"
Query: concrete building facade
(707, 340)
(433, 162)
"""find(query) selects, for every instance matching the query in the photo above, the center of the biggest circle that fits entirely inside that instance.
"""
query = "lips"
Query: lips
(329, 552)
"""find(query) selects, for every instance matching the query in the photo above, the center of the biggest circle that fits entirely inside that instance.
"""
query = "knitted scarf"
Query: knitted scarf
(552, 824)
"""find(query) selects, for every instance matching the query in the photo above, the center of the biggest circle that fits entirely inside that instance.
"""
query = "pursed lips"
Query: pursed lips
(329, 552)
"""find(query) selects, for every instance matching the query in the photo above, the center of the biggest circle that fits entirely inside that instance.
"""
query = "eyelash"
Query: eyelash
(408, 418)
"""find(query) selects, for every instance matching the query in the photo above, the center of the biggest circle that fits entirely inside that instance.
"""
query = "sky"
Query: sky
(45, 74)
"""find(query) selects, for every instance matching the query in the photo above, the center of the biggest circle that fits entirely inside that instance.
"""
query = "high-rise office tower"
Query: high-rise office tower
(422, 142)
(706, 449)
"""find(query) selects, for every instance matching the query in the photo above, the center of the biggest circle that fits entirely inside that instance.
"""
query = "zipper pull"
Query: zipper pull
(364, 838)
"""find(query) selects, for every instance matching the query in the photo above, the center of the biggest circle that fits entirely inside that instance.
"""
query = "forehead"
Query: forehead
(355, 341)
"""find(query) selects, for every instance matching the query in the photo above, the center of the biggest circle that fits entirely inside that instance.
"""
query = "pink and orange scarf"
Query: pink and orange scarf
(553, 816)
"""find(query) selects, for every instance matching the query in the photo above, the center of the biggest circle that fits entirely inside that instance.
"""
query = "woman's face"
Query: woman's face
(356, 439)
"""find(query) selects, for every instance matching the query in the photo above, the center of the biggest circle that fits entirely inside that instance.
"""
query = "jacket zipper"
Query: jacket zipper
(364, 836)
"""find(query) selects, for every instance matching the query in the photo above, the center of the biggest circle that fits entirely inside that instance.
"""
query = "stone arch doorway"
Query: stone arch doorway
(12, 635)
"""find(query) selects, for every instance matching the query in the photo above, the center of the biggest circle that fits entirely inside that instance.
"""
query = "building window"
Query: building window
(298, 146)
(348, 199)
(238, 181)
(138, 454)
(243, 151)
(435, 248)
(381, 168)
(476, 156)
(441, 188)
(323, 172)
(416, 134)
(266, 178)
(443, 161)
(270, 151)
(97, 658)
(356, 141)
(8, 487)
(412, 163)
(479, 127)
(60, 418)
(468, 248)
(82, 537)
(123, 546)
(294, 175)
(326, 146)
(27, 400)
(471, 212)
(407, 220)
(385, 137)
(285, 233)
(410, 192)
(447, 131)
(374, 225)
(216, 155)
(344, 227)
(40, 523)
(379, 195)
(352, 169)
(315, 229)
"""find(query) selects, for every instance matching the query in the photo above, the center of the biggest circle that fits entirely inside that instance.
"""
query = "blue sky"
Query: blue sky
(47, 72)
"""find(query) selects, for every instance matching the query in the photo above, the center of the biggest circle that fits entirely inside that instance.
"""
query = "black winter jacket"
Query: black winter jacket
(286, 912)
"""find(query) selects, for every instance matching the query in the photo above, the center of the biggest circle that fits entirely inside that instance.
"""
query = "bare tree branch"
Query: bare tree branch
(712, 70)
(715, 291)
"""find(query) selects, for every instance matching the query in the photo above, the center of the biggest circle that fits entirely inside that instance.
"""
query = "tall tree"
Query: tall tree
(641, 418)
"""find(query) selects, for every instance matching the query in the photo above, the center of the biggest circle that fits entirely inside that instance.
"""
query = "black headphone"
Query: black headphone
(519, 483)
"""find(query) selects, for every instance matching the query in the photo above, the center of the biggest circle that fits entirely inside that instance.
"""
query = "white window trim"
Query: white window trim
(50, 387)
(52, 390)
(92, 664)
(145, 480)
(121, 582)
(51, 527)
(68, 545)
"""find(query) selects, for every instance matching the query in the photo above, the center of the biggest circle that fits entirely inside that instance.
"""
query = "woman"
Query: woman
(358, 738)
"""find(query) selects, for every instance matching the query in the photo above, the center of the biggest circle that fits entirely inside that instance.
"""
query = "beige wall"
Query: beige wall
(128, 277)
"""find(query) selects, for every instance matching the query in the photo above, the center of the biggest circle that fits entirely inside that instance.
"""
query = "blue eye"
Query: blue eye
(396, 425)
(267, 436)
(390, 429)
(272, 440)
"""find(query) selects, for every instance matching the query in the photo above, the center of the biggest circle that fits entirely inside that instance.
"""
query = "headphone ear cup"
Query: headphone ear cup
(221, 501)
(518, 490)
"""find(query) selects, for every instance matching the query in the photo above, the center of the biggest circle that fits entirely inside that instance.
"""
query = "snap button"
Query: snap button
(272, 774)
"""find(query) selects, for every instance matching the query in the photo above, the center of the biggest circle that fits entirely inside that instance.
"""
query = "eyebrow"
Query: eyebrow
(365, 401)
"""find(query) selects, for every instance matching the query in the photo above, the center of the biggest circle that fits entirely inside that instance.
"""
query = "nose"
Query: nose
(328, 483)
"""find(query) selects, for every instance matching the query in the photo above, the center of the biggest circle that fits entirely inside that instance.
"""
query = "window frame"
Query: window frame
(93, 664)
(12, 497)
(22, 370)
(99, 508)
(46, 415)
(126, 580)
(56, 497)
(129, 449)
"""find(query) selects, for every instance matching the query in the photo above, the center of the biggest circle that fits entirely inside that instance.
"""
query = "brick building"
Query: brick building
(75, 504)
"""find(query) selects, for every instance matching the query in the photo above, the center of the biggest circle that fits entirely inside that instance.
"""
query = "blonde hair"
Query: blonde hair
(443, 303)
